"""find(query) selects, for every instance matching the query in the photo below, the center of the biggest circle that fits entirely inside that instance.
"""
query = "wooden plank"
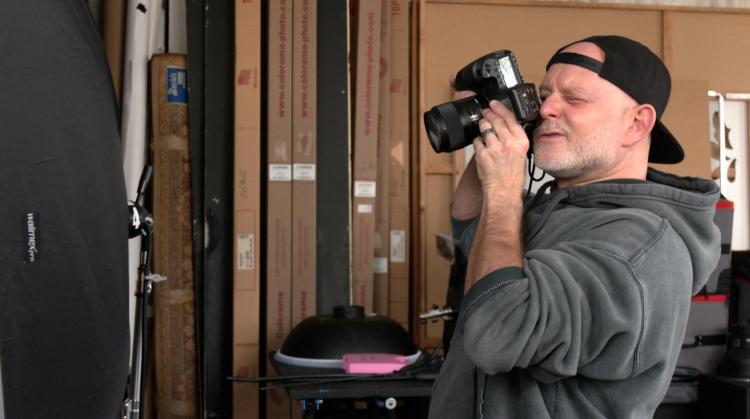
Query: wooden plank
(666, 38)
(729, 9)
(420, 20)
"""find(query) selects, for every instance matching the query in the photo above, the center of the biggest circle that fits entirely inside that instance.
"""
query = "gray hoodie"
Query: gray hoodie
(591, 325)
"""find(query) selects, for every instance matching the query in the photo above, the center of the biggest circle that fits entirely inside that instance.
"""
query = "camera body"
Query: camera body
(454, 125)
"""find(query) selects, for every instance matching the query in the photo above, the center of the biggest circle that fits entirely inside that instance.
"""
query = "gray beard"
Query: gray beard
(585, 156)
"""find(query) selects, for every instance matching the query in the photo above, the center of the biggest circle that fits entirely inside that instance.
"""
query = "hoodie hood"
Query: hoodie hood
(687, 203)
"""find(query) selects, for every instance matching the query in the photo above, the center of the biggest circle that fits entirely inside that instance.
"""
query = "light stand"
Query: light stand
(141, 225)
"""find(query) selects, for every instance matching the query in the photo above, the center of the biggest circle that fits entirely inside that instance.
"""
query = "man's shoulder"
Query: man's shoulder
(619, 231)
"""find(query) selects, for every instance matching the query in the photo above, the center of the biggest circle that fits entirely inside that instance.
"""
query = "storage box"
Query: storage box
(705, 337)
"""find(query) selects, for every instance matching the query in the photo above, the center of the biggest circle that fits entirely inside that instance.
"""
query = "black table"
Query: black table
(371, 397)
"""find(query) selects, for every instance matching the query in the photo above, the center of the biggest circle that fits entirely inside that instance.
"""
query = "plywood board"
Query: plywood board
(712, 47)
(689, 98)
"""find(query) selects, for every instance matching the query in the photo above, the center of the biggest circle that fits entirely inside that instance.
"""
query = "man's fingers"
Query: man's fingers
(487, 132)
(500, 116)
(478, 145)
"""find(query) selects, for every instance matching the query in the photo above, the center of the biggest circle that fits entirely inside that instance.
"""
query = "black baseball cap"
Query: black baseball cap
(640, 73)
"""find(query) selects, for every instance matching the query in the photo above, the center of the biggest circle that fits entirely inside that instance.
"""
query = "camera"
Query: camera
(454, 125)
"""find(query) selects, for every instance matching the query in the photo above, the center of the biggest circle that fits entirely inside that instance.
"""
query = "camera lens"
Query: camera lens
(454, 125)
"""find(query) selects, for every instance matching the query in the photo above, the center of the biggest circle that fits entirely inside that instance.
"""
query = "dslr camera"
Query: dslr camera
(454, 125)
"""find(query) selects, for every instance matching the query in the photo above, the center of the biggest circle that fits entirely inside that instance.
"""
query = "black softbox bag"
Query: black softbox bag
(63, 217)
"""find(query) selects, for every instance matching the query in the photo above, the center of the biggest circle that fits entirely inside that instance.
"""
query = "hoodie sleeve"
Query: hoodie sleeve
(584, 306)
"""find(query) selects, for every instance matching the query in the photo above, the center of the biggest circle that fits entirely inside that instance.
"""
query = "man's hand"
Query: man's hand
(500, 161)
(501, 154)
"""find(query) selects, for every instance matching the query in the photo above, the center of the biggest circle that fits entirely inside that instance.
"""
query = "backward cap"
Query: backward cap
(640, 73)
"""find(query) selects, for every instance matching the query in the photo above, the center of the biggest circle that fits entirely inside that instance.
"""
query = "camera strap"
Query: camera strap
(576, 59)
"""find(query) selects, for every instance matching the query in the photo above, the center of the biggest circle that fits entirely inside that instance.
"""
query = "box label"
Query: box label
(31, 236)
(304, 171)
(364, 208)
(280, 172)
(177, 85)
(380, 265)
(364, 189)
(398, 251)
(245, 252)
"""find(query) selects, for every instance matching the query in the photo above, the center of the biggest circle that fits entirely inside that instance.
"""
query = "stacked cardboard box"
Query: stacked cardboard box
(365, 151)
(279, 193)
(304, 160)
(246, 300)
(380, 263)
(398, 170)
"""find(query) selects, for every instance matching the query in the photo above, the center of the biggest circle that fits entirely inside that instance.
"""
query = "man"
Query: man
(576, 305)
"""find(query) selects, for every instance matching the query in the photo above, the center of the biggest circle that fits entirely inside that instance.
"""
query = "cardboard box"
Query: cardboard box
(398, 157)
(245, 395)
(174, 300)
(365, 152)
(246, 260)
(279, 190)
(304, 160)
(382, 199)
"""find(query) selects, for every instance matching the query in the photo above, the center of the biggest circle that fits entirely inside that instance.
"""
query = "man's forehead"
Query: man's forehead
(570, 77)
(581, 74)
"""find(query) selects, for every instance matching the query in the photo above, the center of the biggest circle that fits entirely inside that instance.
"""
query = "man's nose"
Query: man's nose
(550, 108)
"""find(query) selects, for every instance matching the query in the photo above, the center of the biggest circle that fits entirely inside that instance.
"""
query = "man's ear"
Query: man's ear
(643, 120)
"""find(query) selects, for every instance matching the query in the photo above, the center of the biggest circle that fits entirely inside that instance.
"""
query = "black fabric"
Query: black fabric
(637, 71)
(333, 177)
(454, 295)
(63, 213)
(576, 59)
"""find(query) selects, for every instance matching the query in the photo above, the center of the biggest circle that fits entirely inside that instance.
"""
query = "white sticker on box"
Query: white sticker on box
(398, 244)
(245, 252)
(364, 189)
(280, 172)
(304, 171)
(380, 265)
(364, 208)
